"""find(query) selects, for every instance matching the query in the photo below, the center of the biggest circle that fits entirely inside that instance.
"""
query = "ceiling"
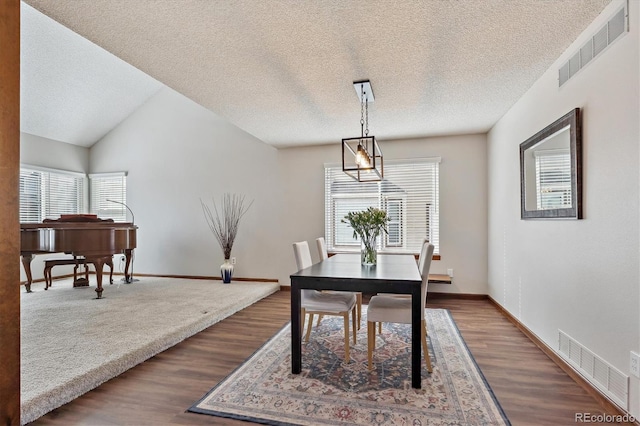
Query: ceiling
(72, 90)
(282, 70)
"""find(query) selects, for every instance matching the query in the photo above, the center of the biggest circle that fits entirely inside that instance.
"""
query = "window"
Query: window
(48, 193)
(394, 236)
(108, 195)
(553, 179)
(408, 193)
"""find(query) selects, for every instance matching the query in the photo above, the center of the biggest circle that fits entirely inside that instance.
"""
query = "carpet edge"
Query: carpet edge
(40, 405)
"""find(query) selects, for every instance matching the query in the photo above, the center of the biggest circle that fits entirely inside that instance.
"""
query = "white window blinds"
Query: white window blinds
(48, 193)
(408, 193)
(553, 179)
(107, 191)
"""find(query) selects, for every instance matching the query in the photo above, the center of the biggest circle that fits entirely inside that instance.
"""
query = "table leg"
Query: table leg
(416, 322)
(296, 336)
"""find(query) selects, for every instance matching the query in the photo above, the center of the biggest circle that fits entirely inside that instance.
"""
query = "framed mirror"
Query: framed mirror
(551, 170)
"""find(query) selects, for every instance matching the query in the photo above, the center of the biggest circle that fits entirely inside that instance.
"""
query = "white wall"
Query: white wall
(463, 203)
(579, 276)
(43, 152)
(177, 152)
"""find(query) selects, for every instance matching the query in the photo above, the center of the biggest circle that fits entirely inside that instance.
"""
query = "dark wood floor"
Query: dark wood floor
(530, 387)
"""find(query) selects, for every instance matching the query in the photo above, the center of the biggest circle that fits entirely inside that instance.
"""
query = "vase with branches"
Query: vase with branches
(223, 221)
(367, 225)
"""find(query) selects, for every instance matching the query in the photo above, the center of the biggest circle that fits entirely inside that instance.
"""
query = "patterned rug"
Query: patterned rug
(329, 391)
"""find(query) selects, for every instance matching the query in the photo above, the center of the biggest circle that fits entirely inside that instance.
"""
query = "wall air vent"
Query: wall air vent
(598, 372)
(603, 38)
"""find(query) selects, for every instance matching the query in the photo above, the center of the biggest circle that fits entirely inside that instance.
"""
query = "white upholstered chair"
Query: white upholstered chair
(322, 252)
(420, 264)
(339, 303)
(421, 258)
(322, 248)
(385, 308)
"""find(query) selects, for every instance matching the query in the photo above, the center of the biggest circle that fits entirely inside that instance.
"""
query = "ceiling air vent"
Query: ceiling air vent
(603, 38)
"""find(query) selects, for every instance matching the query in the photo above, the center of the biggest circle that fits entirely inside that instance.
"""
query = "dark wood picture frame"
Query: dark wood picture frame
(573, 119)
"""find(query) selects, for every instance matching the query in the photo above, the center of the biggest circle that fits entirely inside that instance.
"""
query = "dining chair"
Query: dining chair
(338, 303)
(420, 264)
(322, 252)
(322, 248)
(386, 308)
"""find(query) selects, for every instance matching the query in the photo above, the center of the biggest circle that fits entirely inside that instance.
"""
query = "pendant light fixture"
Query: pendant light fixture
(361, 157)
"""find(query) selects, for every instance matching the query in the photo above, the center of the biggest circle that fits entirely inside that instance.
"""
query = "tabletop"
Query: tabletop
(395, 267)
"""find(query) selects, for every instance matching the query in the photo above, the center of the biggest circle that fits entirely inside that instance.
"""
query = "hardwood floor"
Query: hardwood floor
(530, 387)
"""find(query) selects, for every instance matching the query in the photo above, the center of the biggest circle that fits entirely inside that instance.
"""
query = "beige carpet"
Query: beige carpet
(72, 342)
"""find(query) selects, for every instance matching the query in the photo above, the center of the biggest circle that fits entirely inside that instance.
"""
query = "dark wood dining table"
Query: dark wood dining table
(394, 273)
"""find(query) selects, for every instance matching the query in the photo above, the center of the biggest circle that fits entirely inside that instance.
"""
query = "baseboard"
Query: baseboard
(463, 296)
(189, 277)
(203, 277)
(602, 399)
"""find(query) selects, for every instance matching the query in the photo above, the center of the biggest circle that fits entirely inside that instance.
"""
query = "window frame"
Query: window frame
(52, 195)
(108, 186)
(408, 191)
(41, 195)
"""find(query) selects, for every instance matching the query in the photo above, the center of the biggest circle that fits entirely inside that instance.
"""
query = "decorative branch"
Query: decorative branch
(224, 223)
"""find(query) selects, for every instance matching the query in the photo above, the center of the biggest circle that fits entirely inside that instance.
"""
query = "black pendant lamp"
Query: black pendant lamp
(361, 157)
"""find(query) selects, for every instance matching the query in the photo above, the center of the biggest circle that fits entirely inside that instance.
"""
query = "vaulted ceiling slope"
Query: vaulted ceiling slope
(71, 90)
(282, 70)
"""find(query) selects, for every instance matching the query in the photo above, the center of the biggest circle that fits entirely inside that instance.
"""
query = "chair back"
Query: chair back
(322, 248)
(303, 260)
(420, 256)
(426, 254)
(303, 254)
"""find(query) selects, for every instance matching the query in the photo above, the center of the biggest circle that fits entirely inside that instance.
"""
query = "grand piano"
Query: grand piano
(97, 240)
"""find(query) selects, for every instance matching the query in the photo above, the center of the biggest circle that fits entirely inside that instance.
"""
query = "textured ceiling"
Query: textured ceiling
(283, 70)
(71, 90)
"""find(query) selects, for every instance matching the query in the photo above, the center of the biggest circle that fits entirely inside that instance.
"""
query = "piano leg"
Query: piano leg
(110, 263)
(99, 262)
(127, 254)
(26, 263)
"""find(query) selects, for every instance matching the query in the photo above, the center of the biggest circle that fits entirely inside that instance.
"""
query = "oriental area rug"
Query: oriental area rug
(330, 392)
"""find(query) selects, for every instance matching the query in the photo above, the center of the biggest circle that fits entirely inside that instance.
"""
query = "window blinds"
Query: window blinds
(48, 193)
(409, 194)
(105, 187)
(553, 179)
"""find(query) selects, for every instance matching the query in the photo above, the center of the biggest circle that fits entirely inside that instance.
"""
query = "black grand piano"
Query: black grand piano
(97, 240)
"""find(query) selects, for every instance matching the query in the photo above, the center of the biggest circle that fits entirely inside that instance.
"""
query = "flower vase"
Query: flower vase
(368, 252)
(226, 270)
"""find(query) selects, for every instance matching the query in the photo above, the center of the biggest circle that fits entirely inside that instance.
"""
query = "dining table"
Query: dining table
(393, 273)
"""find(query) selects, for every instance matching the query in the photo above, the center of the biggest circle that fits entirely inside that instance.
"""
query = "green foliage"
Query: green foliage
(367, 224)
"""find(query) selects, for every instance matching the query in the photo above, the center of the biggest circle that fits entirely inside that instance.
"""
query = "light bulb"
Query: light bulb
(362, 157)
